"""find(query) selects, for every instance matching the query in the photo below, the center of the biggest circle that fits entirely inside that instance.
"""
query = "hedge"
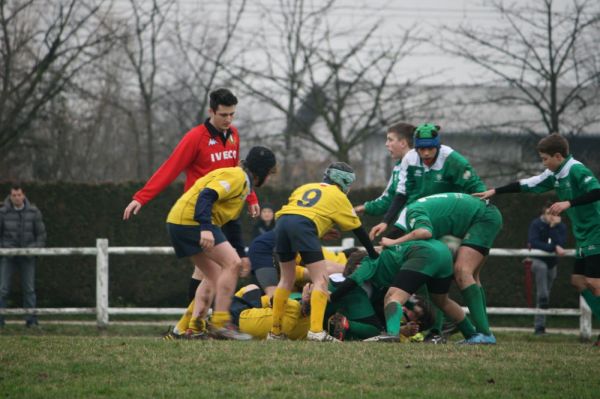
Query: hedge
(77, 214)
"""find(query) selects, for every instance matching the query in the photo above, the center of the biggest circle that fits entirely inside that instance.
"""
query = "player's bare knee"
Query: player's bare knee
(595, 289)
(393, 295)
(234, 265)
(578, 282)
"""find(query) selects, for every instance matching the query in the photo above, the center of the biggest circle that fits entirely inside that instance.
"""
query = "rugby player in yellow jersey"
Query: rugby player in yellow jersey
(311, 211)
(335, 264)
(194, 225)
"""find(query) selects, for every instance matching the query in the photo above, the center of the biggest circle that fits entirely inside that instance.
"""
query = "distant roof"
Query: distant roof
(494, 108)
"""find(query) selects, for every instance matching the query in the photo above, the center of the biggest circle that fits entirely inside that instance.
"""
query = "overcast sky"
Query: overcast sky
(392, 16)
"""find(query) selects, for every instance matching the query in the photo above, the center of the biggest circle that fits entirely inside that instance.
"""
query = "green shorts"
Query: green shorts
(485, 228)
(434, 260)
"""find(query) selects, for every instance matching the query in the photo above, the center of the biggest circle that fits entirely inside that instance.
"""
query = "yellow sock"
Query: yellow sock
(183, 323)
(318, 301)
(279, 303)
(219, 319)
(197, 324)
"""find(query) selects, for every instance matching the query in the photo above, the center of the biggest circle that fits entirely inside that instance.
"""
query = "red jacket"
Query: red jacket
(202, 150)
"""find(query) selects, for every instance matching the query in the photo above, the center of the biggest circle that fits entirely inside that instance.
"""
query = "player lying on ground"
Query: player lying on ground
(352, 318)
(475, 222)
(262, 261)
(401, 270)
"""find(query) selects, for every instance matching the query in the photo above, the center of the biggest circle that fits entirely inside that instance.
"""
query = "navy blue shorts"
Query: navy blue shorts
(249, 300)
(295, 234)
(260, 251)
(186, 239)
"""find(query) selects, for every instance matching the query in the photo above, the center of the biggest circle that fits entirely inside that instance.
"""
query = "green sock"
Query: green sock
(466, 328)
(474, 299)
(393, 318)
(593, 302)
(361, 331)
(483, 296)
(439, 321)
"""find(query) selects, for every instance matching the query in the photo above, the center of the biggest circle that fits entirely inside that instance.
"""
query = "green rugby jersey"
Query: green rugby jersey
(571, 180)
(442, 214)
(380, 205)
(355, 305)
(429, 257)
(451, 172)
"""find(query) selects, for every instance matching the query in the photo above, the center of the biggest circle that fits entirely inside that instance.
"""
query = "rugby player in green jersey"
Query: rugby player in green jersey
(399, 141)
(578, 191)
(430, 168)
(402, 269)
(474, 221)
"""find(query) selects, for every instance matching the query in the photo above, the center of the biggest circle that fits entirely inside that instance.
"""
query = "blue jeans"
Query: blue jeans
(544, 278)
(26, 265)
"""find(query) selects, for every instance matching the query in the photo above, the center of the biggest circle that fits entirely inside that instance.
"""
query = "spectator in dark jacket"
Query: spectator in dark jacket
(265, 222)
(548, 233)
(21, 226)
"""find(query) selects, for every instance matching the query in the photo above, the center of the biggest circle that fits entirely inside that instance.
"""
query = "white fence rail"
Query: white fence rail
(102, 251)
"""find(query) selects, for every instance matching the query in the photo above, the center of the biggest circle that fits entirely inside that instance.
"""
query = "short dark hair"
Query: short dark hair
(554, 144)
(403, 131)
(16, 186)
(349, 251)
(222, 97)
(427, 319)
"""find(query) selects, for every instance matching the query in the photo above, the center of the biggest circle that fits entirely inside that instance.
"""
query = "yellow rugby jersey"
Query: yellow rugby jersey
(324, 204)
(232, 186)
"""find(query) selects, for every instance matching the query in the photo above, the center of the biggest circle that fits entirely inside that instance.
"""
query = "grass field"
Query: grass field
(58, 361)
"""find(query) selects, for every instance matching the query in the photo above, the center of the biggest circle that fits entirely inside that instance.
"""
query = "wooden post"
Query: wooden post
(102, 283)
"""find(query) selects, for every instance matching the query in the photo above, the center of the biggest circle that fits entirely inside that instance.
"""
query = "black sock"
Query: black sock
(192, 288)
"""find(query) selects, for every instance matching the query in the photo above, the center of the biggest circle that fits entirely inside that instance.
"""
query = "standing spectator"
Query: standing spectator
(549, 234)
(21, 226)
(265, 222)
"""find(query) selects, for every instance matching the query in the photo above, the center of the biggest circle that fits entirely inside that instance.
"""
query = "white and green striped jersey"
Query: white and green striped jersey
(571, 180)
(451, 172)
(380, 205)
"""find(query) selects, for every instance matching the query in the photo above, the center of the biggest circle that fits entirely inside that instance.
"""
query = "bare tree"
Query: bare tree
(142, 46)
(354, 94)
(43, 47)
(202, 47)
(327, 97)
(544, 55)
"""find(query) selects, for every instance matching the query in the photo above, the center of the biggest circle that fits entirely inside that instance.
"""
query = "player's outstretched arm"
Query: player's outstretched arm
(485, 194)
(377, 230)
(132, 209)
(418, 234)
(363, 238)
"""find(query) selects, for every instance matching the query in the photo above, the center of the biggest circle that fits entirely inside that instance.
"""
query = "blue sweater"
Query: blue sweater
(542, 236)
